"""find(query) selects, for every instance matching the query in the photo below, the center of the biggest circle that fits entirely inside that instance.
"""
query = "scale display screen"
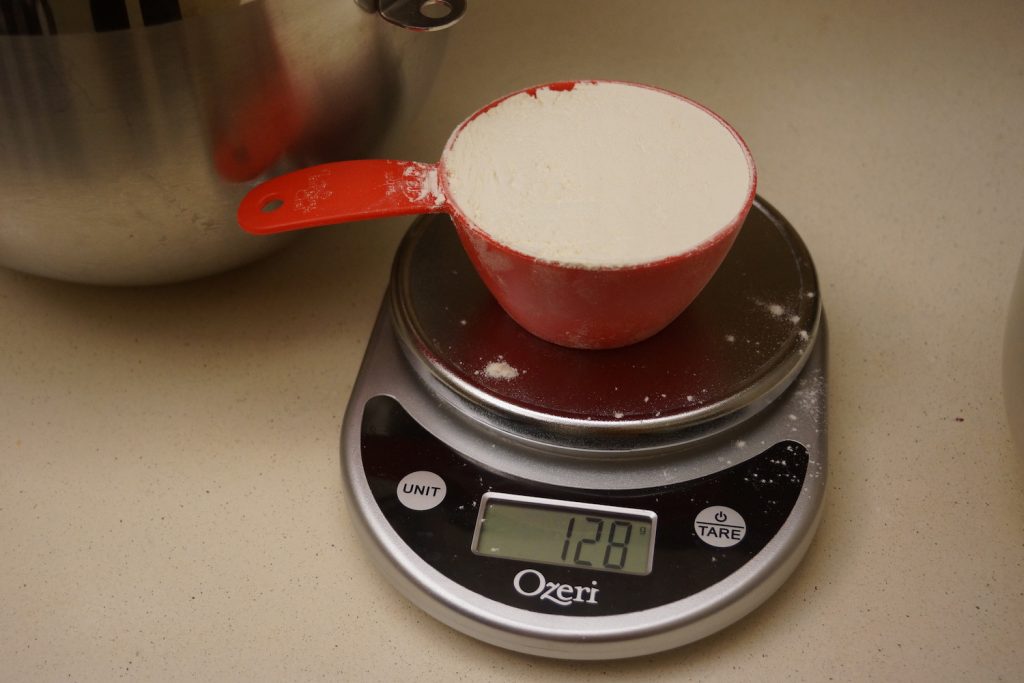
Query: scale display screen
(581, 535)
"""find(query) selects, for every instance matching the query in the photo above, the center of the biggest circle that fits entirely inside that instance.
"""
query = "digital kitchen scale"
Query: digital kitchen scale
(591, 504)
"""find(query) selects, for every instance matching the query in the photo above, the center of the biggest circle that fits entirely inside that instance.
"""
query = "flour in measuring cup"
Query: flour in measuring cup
(602, 175)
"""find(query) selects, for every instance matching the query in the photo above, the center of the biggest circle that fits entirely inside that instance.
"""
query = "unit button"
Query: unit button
(720, 526)
(421, 490)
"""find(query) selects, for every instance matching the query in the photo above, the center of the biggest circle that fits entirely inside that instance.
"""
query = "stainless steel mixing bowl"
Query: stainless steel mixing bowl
(130, 130)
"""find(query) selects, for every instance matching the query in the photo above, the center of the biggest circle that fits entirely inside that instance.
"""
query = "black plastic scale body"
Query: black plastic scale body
(591, 504)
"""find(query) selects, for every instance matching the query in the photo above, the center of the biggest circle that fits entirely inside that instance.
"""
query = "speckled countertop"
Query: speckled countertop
(170, 497)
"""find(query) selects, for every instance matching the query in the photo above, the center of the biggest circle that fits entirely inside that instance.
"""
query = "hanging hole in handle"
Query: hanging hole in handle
(435, 9)
(271, 204)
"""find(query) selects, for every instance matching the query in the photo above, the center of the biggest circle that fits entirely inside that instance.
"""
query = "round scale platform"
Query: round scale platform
(732, 351)
(591, 504)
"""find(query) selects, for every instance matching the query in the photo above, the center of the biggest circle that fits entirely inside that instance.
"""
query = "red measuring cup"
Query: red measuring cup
(571, 305)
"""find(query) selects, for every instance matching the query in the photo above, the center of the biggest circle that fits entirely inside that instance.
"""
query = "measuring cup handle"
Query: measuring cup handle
(340, 192)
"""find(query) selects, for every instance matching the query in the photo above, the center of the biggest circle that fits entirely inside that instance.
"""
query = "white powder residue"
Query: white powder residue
(619, 415)
(500, 369)
(603, 175)
(777, 311)
(810, 390)
(421, 183)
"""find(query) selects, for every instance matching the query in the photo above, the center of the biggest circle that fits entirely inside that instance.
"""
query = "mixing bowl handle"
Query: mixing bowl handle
(341, 192)
(418, 15)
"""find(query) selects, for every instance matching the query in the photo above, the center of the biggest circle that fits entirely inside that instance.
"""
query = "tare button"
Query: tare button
(421, 490)
(720, 526)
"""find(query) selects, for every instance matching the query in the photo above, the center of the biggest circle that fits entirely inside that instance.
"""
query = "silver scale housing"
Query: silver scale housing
(416, 357)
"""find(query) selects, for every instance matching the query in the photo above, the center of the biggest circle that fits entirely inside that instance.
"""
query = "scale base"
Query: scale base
(736, 494)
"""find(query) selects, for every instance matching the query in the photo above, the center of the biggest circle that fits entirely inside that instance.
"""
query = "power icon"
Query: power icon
(720, 526)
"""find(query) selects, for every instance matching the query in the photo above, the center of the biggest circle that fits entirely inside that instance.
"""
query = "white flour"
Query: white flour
(605, 174)
(500, 369)
(421, 183)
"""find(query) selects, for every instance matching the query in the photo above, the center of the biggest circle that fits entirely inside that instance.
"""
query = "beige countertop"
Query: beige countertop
(170, 495)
